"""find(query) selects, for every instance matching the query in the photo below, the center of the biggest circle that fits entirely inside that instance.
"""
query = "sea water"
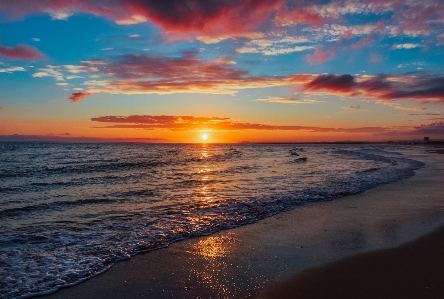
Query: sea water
(69, 211)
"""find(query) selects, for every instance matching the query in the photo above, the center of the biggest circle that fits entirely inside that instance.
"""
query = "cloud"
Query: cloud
(422, 114)
(50, 71)
(190, 17)
(196, 123)
(406, 46)
(12, 69)
(363, 42)
(200, 123)
(78, 96)
(331, 82)
(352, 107)
(286, 100)
(35, 39)
(320, 56)
(73, 77)
(214, 18)
(307, 15)
(145, 74)
(375, 58)
(22, 52)
(382, 87)
(274, 46)
(435, 128)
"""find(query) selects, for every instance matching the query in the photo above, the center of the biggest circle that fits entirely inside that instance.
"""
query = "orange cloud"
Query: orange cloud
(193, 123)
(78, 96)
(221, 124)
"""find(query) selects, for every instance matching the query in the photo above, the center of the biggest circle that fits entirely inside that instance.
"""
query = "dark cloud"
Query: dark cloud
(381, 87)
(332, 82)
(191, 16)
(434, 129)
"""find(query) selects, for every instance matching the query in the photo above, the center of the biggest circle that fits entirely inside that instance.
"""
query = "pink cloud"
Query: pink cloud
(191, 16)
(78, 96)
(21, 52)
(140, 74)
(222, 17)
(319, 56)
(144, 74)
(375, 58)
(363, 42)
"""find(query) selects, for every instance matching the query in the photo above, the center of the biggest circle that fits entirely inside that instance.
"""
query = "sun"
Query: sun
(204, 137)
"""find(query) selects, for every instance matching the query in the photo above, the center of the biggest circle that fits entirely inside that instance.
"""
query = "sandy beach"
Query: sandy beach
(315, 242)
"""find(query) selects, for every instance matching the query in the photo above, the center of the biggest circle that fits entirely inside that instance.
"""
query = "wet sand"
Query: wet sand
(414, 270)
(241, 262)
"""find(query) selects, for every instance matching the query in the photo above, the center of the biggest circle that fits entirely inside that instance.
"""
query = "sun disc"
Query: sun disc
(204, 137)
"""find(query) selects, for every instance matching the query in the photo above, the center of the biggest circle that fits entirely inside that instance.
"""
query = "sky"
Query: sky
(236, 70)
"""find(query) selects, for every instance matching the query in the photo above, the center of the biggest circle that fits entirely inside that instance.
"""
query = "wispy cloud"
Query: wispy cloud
(286, 100)
(357, 107)
(195, 123)
(144, 74)
(215, 124)
(406, 46)
(320, 56)
(12, 69)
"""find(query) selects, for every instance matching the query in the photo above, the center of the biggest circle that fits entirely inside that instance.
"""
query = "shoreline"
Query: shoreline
(240, 262)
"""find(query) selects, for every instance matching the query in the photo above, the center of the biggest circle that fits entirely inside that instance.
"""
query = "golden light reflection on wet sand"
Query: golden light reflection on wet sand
(214, 246)
(214, 273)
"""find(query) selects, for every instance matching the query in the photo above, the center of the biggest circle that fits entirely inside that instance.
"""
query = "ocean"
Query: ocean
(69, 211)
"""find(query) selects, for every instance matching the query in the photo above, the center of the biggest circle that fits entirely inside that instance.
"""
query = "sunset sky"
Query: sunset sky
(237, 70)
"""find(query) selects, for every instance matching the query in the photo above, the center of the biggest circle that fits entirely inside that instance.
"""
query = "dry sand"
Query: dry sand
(241, 262)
